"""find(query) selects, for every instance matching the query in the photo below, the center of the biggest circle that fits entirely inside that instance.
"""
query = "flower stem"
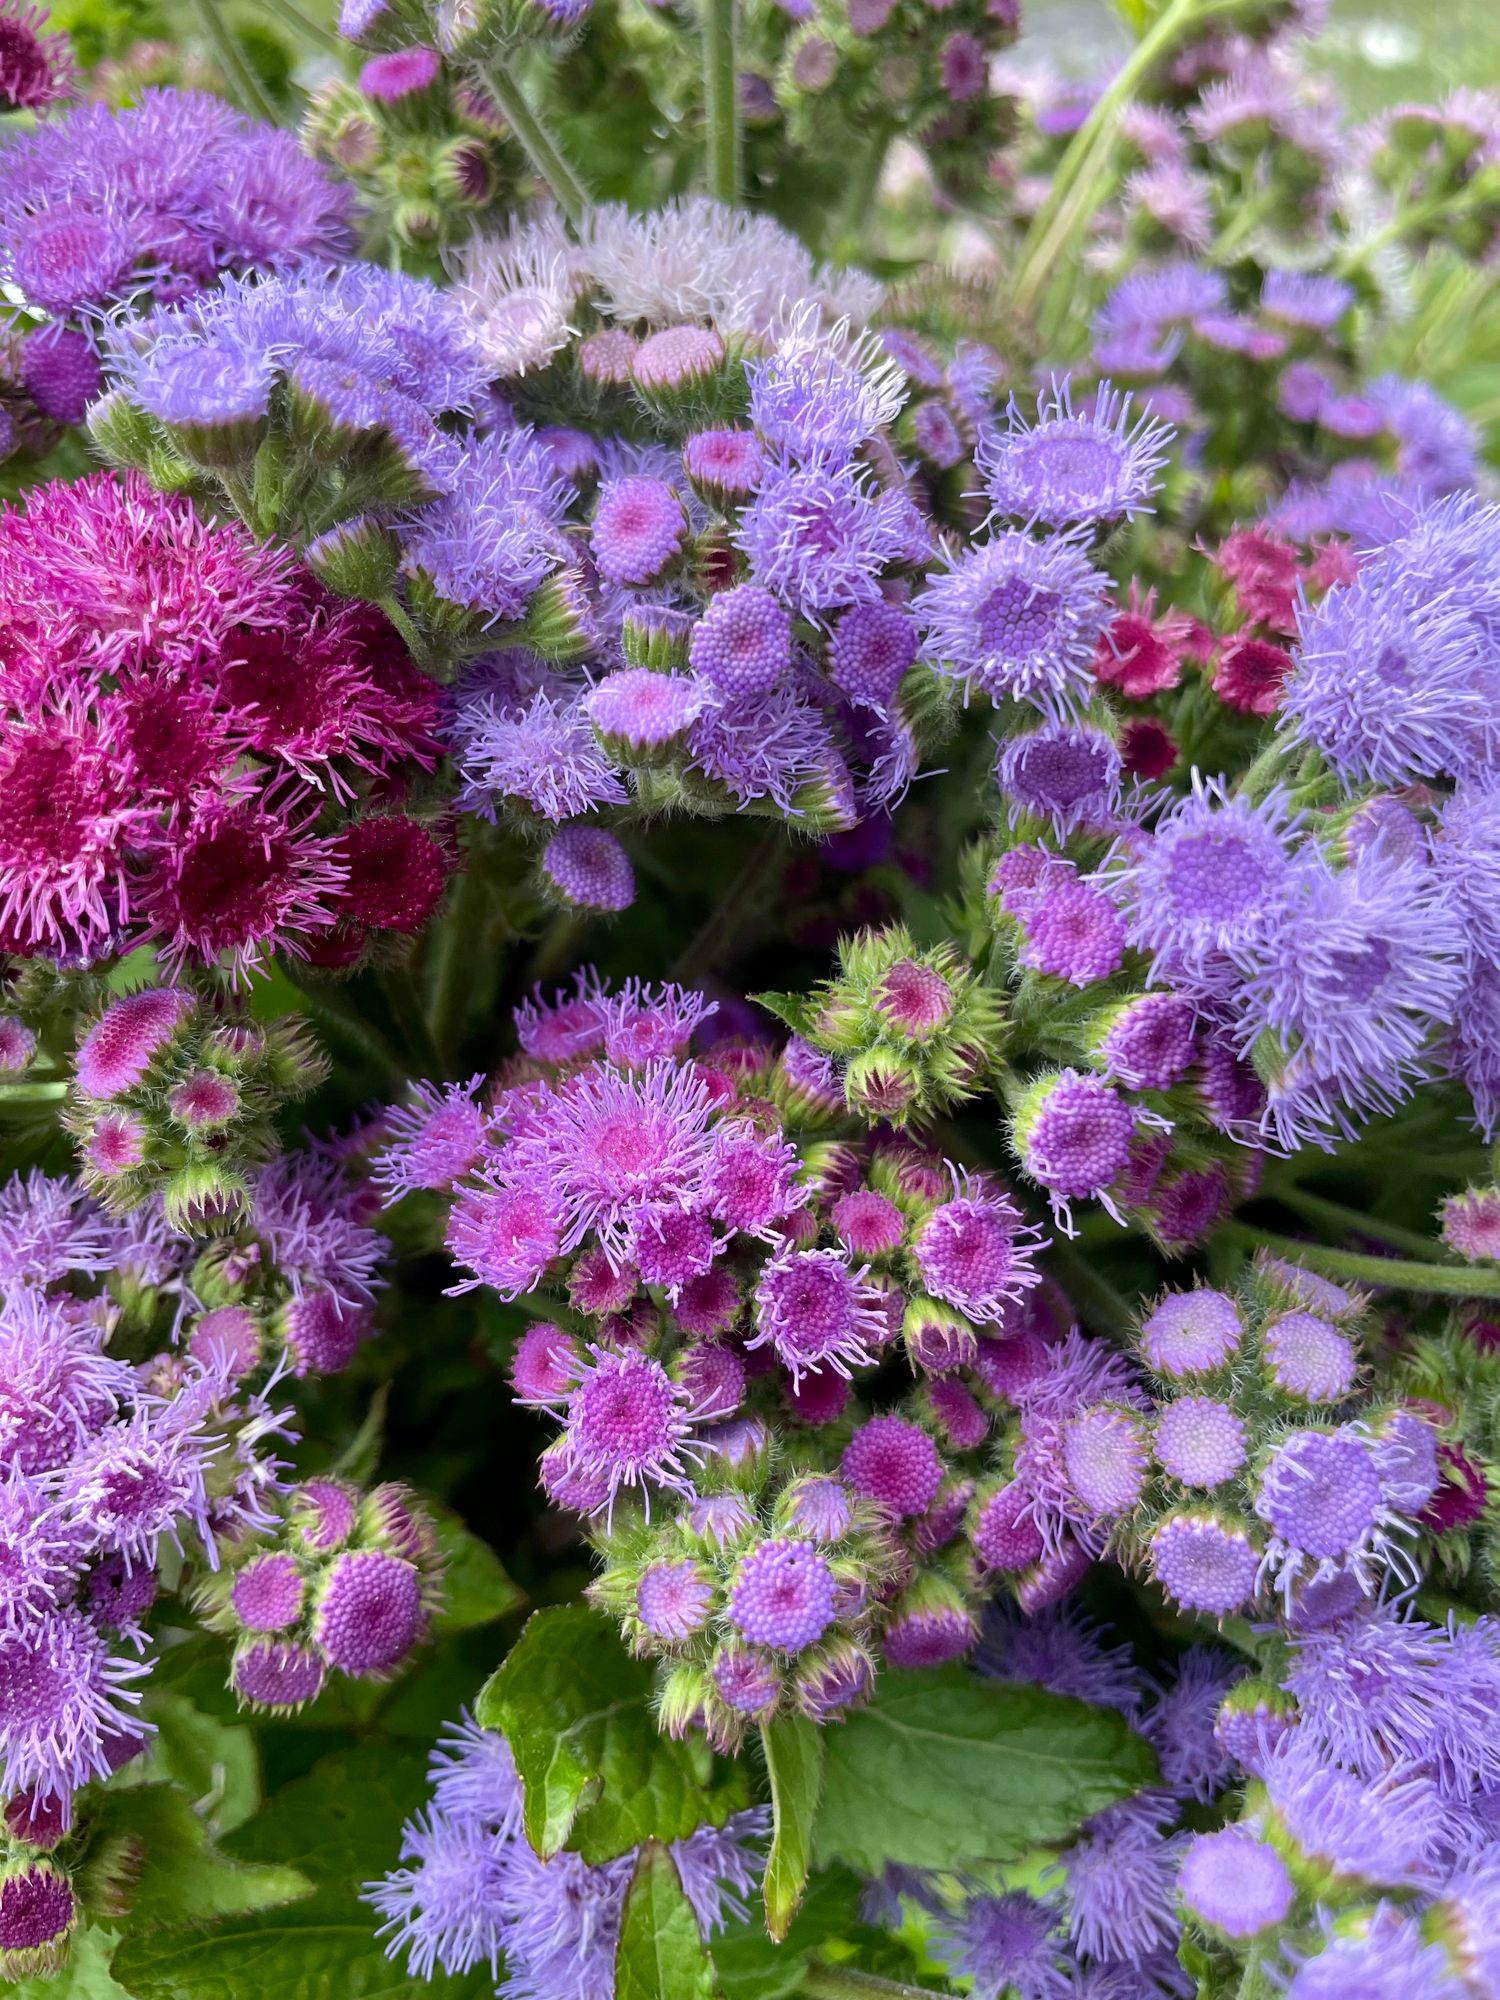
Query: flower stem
(721, 99)
(1086, 165)
(241, 78)
(536, 141)
(453, 964)
(400, 990)
(842, 1982)
(1458, 1281)
(310, 30)
(1334, 1215)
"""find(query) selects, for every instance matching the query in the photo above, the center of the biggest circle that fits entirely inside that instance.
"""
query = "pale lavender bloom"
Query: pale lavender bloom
(543, 753)
(1017, 620)
(818, 536)
(493, 536)
(1071, 466)
(1006, 1942)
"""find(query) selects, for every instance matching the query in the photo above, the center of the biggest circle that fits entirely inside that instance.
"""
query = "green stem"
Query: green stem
(1263, 772)
(453, 963)
(333, 1000)
(1317, 1208)
(400, 990)
(842, 1982)
(1459, 1281)
(721, 100)
(1075, 191)
(1099, 1304)
(535, 140)
(737, 908)
(309, 29)
(241, 78)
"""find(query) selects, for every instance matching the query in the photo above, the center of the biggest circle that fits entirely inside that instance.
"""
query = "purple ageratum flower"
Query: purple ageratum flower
(399, 73)
(267, 1593)
(1062, 1650)
(178, 186)
(742, 645)
(870, 651)
(719, 1866)
(1205, 1563)
(1199, 1441)
(1004, 1533)
(1382, 1835)
(1071, 467)
(40, 1553)
(63, 1702)
(629, 1424)
(1180, 1724)
(810, 400)
(783, 1595)
(1074, 1139)
(818, 536)
(1119, 1880)
(817, 1311)
(638, 529)
(277, 1676)
(50, 1229)
(974, 1252)
(541, 752)
(369, 1613)
(1006, 1943)
(746, 1681)
(1138, 328)
(928, 1634)
(1018, 620)
(507, 1236)
(1151, 1042)
(1353, 979)
(1309, 300)
(117, 1050)
(1191, 1333)
(443, 1909)
(1393, 678)
(59, 1387)
(1066, 773)
(432, 1141)
(1236, 1884)
(1391, 1961)
(1321, 1496)
(141, 1480)
(493, 536)
(638, 713)
(893, 1464)
(725, 463)
(769, 747)
(569, 1026)
(673, 1599)
(1308, 1359)
(308, 1214)
(1206, 887)
(1436, 447)
(562, 1922)
(606, 1143)
(474, 1777)
(750, 1179)
(37, 1905)
(586, 868)
(1072, 932)
(645, 1023)
(1104, 1453)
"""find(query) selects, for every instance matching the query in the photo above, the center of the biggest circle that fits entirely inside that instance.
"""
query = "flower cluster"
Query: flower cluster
(199, 745)
(470, 1891)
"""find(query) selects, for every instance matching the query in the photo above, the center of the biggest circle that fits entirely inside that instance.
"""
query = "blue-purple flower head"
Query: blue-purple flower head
(1064, 772)
(1139, 328)
(98, 203)
(1017, 619)
(494, 534)
(820, 535)
(1011, 1942)
(370, 347)
(1311, 301)
(1206, 885)
(821, 392)
(542, 753)
(1073, 467)
(1362, 969)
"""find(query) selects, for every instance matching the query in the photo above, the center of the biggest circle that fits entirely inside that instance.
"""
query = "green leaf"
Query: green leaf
(660, 1955)
(794, 1759)
(794, 1010)
(944, 1770)
(752, 1966)
(596, 1774)
(476, 1589)
(340, 1826)
(212, 1760)
(182, 1876)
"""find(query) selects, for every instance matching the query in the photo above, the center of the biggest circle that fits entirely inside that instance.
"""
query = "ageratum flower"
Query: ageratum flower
(1072, 467)
(1017, 620)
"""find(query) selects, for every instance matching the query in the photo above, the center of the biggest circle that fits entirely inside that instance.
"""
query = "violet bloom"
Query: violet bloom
(974, 1252)
(1322, 1498)
(1205, 1562)
(1072, 467)
(819, 535)
(432, 1141)
(64, 1700)
(817, 1311)
(1005, 1943)
(629, 1424)
(1066, 773)
(1017, 619)
(493, 537)
(98, 203)
(1235, 1883)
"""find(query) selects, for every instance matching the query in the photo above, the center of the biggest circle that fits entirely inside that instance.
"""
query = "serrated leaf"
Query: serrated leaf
(794, 1759)
(753, 1966)
(475, 1587)
(340, 1826)
(793, 1010)
(179, 1875)
(944, 1770)
(660, 1955)
(596, 1773)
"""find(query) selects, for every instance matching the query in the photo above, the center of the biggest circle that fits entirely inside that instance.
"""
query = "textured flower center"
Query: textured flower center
(1215, 875)
(1017, 617)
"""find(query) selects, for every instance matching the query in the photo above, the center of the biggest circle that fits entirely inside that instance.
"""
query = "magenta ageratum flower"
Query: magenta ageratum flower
(817, 1311)
(629, 1424)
